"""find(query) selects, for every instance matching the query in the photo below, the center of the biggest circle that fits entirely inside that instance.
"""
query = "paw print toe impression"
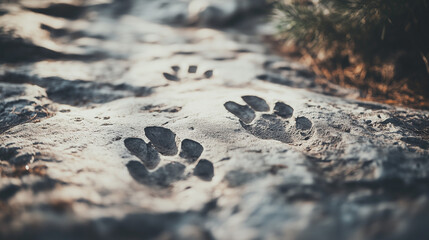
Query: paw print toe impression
(163, 139)
(275, 126)
(191, 73)
(163, 142)
(191, 150)
(145, 152)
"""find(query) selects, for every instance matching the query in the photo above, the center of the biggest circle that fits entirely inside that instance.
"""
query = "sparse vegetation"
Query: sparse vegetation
(379, 46)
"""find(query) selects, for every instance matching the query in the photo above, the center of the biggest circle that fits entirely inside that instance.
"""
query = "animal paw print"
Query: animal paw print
(278, 125)
(163, 142)
(192, 69)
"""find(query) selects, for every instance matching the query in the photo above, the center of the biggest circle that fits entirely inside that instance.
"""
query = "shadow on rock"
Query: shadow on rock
(20, 104)
(171, 225)
(63, 10)
(78, 92)
(18, 50)
(117, 8)
(64, 32)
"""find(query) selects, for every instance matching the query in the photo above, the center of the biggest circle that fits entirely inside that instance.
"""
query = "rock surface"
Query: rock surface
(100, 103)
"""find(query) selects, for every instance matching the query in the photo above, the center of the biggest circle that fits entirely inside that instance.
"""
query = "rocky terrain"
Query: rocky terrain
(135, 120)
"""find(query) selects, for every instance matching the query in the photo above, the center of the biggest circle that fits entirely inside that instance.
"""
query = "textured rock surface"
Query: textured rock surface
(89, 87)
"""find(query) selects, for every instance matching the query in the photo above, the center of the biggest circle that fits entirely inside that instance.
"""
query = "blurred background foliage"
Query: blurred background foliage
(378, 46)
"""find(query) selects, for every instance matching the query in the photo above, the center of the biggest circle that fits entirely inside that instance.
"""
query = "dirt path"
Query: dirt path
(116, 125)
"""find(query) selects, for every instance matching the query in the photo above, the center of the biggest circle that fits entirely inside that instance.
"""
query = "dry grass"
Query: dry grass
(375, 83)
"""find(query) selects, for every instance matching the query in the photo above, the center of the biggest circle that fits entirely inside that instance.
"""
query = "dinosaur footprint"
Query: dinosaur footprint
(279, 125)
(163, 141)
(176, 75)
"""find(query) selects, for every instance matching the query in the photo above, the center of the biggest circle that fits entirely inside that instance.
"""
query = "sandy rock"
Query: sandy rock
(98, 142)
